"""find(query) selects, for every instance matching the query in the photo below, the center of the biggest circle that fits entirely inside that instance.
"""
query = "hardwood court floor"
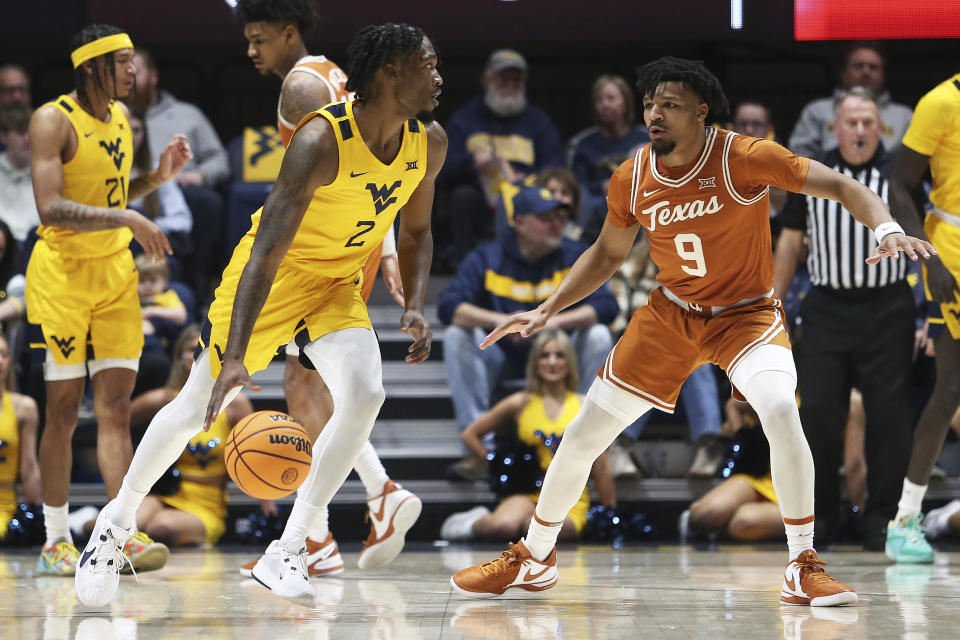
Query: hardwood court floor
(632, 592)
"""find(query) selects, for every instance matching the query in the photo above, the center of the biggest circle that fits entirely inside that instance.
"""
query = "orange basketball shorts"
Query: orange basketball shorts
(664, 343)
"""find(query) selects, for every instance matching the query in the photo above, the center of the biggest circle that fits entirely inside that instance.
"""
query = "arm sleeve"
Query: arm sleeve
(209, 151)
(794, 214)
(467, 286)
(930, 121)
(618, 197)
(389, 247)
(805, 140)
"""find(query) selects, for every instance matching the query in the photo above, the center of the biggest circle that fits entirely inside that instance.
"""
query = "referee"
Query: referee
(858, 326)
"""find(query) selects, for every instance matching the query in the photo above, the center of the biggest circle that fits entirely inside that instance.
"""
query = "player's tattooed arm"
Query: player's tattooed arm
(309, 162)
(77, 216)
(301, 94)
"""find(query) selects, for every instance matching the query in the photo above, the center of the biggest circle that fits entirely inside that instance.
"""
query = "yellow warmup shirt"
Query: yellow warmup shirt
(9, 461)
(97, 175)
(935, 132)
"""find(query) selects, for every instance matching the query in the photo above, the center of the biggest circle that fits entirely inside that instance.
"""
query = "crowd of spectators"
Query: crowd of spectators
(513, 212)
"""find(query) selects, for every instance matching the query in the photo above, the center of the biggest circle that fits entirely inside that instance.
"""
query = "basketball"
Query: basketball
(268, 455)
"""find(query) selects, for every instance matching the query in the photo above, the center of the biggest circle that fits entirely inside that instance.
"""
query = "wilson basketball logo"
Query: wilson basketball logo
(663, 214)
(289, 476)
(301, 444)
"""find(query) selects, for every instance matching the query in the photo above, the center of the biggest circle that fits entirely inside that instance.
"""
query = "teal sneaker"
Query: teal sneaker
(58, 559)
(905, 542)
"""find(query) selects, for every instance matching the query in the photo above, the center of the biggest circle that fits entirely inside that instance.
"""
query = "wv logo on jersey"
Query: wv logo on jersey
(202, 452)
(65, 344)
(382, 195)
(113, 149)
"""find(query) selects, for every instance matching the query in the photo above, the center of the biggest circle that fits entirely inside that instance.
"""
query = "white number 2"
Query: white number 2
(690, 248)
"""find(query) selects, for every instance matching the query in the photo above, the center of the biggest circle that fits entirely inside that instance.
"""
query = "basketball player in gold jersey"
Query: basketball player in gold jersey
(274, 30)
(349, 169)
(81, 282)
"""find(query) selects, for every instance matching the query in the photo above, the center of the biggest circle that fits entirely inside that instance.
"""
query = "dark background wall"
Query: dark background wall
(200, 49)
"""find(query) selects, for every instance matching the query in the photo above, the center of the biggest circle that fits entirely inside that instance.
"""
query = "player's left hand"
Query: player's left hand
(894, 243)
(417, 326)
(390, 268)
(233, 373)
(176, 154)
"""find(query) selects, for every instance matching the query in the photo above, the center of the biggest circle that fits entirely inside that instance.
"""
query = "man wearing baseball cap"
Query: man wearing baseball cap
(515, 273)
(496, 137)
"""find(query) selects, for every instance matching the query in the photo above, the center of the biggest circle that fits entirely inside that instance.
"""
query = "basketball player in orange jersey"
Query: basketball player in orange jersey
(701, 196)
(349, 169)
(274, 30)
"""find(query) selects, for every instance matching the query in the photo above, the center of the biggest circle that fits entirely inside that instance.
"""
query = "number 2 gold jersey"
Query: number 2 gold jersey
(347, 219)
(97, 175)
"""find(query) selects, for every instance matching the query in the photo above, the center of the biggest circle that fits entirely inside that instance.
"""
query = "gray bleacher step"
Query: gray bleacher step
(421, 439)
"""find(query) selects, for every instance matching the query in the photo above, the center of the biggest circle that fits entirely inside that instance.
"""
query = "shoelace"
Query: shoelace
(812, 568)
(301, 564)
(508, 558)
(109, 555)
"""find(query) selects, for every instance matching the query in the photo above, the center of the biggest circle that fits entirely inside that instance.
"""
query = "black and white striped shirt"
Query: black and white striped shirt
(839, 244)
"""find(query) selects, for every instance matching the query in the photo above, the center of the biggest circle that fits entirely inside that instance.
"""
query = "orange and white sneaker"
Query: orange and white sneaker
(515, 568)
(805, 582)
(391, 514)
(323, 559)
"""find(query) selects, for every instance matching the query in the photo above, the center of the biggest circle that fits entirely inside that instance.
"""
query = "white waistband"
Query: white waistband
(692, 306)
(950, 218)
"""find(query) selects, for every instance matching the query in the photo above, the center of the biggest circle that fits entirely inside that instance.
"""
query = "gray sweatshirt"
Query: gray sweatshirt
(170, 116)
(813, 134)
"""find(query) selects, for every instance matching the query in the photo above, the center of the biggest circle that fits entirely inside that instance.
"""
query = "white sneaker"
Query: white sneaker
(284, 573)
(621, 464)
(98, 571)
(459, 526)
(391, 515)
(935, 522)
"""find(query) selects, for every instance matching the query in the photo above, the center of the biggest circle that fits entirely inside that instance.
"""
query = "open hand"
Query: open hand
(417, 326)
(176, 154)
(893, 243)
(148, 234)
(233, 374)
(526, 324)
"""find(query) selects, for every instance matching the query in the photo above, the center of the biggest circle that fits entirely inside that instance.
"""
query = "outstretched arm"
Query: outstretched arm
(310, 162)
(415, 247)
(588, 273)
(867, 207)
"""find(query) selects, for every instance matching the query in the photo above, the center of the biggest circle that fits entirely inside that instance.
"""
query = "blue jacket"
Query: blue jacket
(529, 140)
(496, 276)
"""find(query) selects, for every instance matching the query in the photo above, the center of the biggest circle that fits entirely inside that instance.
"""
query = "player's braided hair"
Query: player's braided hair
(373, 47)
(300, 13)
(86, 36)
(691, 73)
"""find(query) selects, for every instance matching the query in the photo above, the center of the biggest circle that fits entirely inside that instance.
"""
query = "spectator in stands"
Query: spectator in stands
(497, 136)
(12, 283)
(196, 512)
(541, 412)
(164, 316)
(512, 274)
(595, 153)
(14, 86)
(18, 447)
(165, 205)
(744, 506)
(863, 66)
(563, 187)
(163, 115)
(753, 118)
(858, 324)
(17, 206)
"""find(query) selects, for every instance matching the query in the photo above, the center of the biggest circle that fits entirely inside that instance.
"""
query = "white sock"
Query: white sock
(320, 527)
(371, 471)
(911, 500)
(799, 537)
(301, 519)
(542, 537)
(55, 522)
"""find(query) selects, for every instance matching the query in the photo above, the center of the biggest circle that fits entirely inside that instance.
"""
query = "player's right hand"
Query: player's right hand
(233, 373)
(941, 283)
(155, 244)
(525, 323)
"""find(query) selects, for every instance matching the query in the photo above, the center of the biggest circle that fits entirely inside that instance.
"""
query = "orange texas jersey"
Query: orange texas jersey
(319, 67)
(708, 222)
